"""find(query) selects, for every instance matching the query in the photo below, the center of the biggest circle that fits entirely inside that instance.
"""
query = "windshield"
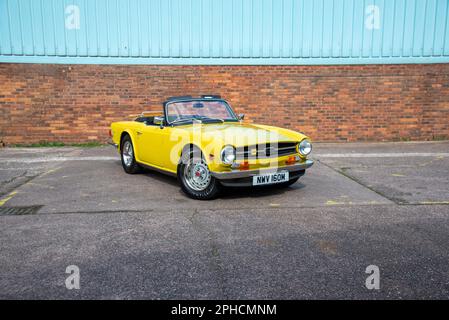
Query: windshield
(206, 111)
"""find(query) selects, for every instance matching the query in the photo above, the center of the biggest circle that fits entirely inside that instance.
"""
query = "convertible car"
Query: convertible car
(207, 146)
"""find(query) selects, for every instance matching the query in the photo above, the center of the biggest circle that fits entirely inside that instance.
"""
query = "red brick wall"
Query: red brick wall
(330, 103)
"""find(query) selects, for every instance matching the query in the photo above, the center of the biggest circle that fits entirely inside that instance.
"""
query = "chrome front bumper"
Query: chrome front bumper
(112, 143)
(236, 174)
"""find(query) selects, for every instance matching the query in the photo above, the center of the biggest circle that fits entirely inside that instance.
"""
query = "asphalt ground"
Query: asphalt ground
(140, 237)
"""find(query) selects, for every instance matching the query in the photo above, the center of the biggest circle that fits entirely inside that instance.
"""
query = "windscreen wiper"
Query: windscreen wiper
(181, 120)
(209, 118)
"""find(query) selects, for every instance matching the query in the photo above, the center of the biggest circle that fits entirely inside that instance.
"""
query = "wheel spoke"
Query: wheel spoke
(127, 154)
(197, 175)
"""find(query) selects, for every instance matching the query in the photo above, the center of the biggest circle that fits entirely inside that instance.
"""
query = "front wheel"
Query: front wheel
(195, 177)
(129, 162)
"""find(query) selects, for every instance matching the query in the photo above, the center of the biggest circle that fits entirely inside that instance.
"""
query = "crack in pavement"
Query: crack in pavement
(274, 209)
(394, 200)
(216, 263)
(8, 189)
(26, 179)
(14, 178)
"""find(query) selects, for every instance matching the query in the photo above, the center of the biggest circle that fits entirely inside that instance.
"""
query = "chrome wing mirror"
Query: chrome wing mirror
(241, 116)
(159, 121)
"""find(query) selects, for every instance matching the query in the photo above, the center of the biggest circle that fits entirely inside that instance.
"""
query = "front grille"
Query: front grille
(266, 150)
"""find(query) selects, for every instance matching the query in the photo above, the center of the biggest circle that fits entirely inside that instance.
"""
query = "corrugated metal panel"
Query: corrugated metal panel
(224, 31)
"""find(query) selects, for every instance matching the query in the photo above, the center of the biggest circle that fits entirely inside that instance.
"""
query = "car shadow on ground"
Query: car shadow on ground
(160, 177)
(257, 192)
(228, 192)
(156, 175)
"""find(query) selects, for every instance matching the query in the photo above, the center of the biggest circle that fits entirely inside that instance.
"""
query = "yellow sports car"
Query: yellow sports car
(207, 146)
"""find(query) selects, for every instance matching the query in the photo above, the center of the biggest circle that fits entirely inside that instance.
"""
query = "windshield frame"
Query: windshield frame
(226, 104)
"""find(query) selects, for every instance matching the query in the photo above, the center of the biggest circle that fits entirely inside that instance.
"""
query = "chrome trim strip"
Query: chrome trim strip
(293, 149)
(249, 182)
(146, 166)
(281, 153)
(235, 174)
(287, 148)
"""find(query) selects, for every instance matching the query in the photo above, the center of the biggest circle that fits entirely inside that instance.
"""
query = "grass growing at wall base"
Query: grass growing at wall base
(46, 144)
(440, 138)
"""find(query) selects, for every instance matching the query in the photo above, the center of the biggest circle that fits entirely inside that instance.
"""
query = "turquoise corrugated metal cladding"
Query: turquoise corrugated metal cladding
(224, 31)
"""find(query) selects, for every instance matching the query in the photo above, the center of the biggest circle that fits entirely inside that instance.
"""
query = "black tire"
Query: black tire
(288, 183)
(127, 156)
(193, 157)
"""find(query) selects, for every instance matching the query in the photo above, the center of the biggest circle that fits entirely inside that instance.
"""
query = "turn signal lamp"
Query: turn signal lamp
(244, 165)
(291, 160)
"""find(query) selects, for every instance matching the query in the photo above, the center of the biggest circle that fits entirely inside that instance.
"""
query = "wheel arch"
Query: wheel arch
(123, 135)
(185, 148)
(213, 187)
(188, 146)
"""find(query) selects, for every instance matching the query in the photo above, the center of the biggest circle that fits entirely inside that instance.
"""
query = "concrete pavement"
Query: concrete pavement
(139, 236)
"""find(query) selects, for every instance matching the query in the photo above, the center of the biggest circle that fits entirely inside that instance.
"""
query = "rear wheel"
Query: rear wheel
(128, 158)
(195, 177)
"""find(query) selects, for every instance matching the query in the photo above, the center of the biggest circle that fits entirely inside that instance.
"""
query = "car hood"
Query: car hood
(242, 134)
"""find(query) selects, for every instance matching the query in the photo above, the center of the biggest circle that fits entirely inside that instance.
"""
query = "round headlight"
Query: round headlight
(305, 147)
(228, 155)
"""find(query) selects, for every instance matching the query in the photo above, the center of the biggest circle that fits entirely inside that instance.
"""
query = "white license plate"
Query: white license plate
(270, 178)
